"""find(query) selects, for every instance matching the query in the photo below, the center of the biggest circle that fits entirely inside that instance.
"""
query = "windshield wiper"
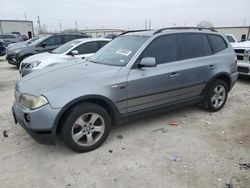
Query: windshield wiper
(51, 52)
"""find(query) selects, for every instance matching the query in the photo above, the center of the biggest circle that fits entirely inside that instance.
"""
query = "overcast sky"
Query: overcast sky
(127, 14)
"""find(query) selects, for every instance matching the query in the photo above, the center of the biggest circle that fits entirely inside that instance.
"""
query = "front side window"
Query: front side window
(64, 48)
(119, 51)
(52, 41)
(163, 49)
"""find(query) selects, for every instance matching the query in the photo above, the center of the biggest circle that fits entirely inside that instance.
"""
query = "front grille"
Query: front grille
(243, 69)
(239, 51)
(240, 57)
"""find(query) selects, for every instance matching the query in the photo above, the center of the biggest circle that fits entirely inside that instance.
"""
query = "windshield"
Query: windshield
(64, 48)
(119, 51)
(31, 40)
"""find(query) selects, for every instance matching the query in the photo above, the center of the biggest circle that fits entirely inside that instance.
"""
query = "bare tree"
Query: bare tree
(205, 24)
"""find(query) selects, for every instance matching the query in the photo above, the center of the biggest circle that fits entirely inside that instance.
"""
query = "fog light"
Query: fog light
(27, 118)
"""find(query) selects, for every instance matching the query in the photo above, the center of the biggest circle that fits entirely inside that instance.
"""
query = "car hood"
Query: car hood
(16, 45)
(63, 76)
(245, 44)
(40, 57)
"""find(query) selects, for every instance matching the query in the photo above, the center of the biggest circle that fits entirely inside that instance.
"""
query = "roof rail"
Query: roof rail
(169, 28)
(132, 31)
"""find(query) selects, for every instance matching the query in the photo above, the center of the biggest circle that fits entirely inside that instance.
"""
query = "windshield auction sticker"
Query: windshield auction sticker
(124, 52)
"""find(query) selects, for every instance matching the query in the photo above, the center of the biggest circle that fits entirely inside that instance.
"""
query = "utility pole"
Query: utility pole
(76, 25)
(60, 25)
(149, 24)
(25, 16)
(39, 23)
(244, 21)
(44, 28)
(146, 24)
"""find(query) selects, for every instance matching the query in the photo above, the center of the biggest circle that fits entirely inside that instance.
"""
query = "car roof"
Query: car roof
(82, 40)
(167, 31)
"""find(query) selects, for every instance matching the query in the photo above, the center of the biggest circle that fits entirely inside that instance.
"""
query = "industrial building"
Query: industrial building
(236, 31)
(102, 32)
(17, 26)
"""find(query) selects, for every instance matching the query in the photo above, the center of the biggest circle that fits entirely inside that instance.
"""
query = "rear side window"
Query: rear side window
(191, 45)
(217, 43)
(206, 46)
(52, 41)
(7, 37)
(164, 49)
(88, 48)
(103, 43)
(68, 38)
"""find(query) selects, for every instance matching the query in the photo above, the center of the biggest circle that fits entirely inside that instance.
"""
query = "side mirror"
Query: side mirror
(43, 45)
(147, 62)
(74, 52)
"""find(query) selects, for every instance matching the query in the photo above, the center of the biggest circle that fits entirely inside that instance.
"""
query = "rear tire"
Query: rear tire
(86, 127)
(216, 96)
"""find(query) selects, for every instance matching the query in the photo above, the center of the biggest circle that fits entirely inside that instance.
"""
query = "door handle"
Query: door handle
(173, 75)
(211, 67)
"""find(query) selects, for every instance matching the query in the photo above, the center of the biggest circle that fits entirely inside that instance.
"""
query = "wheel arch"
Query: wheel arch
(222, 76)
(104, 102)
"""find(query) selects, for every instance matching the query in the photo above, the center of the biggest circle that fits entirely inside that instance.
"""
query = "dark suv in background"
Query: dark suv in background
(10, 38)
(44, 44)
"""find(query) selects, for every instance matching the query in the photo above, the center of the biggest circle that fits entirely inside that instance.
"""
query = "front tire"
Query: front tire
(216, 96)
(86, 127)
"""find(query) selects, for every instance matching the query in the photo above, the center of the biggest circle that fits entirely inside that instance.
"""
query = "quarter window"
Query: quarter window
(164, 49)
(217, 42)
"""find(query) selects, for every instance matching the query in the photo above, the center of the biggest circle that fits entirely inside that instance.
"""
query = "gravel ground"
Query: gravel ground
(204, 150)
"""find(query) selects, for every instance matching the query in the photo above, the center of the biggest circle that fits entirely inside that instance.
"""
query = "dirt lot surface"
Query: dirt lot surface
(204, 150)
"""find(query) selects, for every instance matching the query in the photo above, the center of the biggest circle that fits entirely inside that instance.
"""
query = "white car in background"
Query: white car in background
(231, 38)
(69, 52)
(242, 50)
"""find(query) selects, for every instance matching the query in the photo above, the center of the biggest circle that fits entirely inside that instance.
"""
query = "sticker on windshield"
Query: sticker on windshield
(124, 52)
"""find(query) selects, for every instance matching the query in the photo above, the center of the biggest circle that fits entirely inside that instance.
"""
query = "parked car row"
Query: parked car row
(70, 52)
(10, 38)
(44, 44)
(136, 74)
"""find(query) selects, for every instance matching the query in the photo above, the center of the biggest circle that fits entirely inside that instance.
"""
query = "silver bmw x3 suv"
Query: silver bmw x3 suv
(136, 74)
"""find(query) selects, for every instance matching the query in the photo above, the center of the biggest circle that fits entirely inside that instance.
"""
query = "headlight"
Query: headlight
(33, 64)
(247, 52)
(32, 102)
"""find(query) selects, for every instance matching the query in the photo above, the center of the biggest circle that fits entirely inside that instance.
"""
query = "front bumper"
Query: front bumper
(12, 59)
(40, 123)
(244, 68)
(25, 71)
(234, 78)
